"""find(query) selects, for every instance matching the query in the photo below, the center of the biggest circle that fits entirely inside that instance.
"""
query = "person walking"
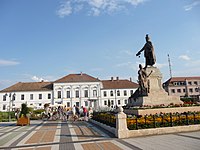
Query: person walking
(67, 114)
(85, 113)
(77, 112)
(74, 113)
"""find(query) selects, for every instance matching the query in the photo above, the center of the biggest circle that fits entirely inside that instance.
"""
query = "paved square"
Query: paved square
(80, 135)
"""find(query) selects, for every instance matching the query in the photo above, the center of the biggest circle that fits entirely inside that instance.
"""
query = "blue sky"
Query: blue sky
(50, 39)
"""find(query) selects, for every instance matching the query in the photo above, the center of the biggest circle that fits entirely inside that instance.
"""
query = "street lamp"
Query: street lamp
(12, 98)
(199, 92)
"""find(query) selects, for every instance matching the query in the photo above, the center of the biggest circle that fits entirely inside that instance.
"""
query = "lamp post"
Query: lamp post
(116, 98)
(199, 92)
(12, 98)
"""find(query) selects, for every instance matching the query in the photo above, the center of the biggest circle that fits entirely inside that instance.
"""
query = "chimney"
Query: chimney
(130, 79)
(117, 78)
(111, 78)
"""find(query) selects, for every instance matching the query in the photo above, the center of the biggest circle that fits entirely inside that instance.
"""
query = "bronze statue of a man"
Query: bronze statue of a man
(143, 81)
(148, 53)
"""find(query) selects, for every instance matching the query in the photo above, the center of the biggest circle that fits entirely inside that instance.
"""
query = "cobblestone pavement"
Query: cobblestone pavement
(80, 135)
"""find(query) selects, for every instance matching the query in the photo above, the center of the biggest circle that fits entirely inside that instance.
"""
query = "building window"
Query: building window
(68, 94)
(131, 92)
(112, 102)
(77, 104)
(13, 97)
(40, 96)
(111, 93)
(197, 90)
(40, 104)
(105, 102)
(191, 90)
(175, 83)
(77, 94)
(108, 103)
(31, 96)
(125, 93)
(4, 97)
(94, 93)
(59, 94)
(125, 101)
(86, 103)
(118, 93)
(4, 107)
(68, 104)
(195, 83)
(104, 93)
(49, 96)
(179, 90)
(22, 97)
(173, 90)
(184, 90)
(182, 83)
(190, 83)
(86, 93)
(119, 102)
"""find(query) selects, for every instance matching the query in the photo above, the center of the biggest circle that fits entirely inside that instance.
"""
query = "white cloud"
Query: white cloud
(5, 84)
(8, 62)
(184, 57)
(38, 79)
(95, 11)
(135, 2)
(192, 5)
(65, 9)
(96, 69)
(161, 65)
(128, 52)
(126, 64)
(95, 7)
(193, 63)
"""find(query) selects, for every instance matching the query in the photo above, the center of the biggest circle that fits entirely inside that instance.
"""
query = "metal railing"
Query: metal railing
(105, 118)
(163, 120)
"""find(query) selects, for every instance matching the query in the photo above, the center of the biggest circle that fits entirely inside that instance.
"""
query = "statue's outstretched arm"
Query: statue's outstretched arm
(140, 51)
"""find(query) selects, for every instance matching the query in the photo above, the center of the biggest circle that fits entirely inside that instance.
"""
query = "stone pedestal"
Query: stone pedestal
(121, 124)
(157, 95)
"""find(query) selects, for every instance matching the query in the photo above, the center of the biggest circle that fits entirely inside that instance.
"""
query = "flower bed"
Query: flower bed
(163, 120)
(105, 118)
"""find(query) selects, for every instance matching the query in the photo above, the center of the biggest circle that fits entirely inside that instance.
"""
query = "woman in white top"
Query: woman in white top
(74, 113)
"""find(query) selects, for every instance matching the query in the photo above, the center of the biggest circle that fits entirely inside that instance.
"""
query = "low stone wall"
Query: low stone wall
(121, 130)
(104, 126)
(163, 110)
(166, 130)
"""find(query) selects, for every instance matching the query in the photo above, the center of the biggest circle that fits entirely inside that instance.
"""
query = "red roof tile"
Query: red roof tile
(77, 78)
(178, 79)
(30, 86)
(118, 84)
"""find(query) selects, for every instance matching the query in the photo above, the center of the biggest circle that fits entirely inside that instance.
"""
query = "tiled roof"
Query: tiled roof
(118, 84)
(178, 79)
(29, 86)
(77, 78)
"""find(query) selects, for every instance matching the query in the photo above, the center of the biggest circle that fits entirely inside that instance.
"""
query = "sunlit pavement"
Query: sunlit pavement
(80, 135)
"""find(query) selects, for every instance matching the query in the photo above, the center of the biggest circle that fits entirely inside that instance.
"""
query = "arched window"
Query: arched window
(118, 93)
(111, 93)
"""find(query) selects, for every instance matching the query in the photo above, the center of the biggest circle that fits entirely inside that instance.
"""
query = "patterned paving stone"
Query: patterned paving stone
(101, 146)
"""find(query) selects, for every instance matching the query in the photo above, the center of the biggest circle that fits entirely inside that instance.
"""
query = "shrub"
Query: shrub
(24, 110)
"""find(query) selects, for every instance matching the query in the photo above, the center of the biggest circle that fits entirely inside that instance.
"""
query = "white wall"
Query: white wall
(73, 87)
(36, 102)
(115, 98)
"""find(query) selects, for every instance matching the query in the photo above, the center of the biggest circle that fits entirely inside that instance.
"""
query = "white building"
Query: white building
(73, 89)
